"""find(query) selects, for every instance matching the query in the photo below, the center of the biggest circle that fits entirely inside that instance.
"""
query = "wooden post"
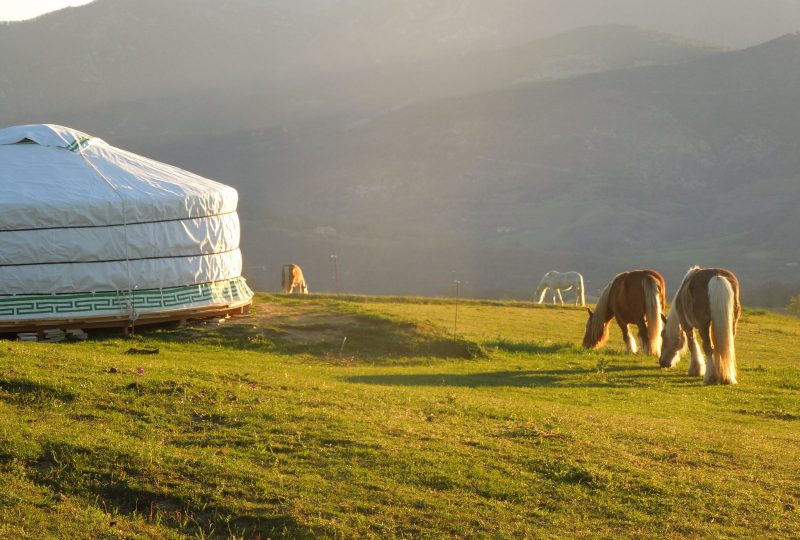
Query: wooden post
(455, 320)
(335, 259)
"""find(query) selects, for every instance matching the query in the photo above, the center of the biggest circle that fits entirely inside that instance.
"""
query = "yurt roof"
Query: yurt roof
(53, 177)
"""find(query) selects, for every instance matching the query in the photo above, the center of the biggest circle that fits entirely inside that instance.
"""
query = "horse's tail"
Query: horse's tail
(722, 302)
(580, 292)
(653, 309)
(301, 281)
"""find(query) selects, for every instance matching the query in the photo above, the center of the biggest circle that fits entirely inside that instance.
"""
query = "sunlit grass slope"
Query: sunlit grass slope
(278, 426)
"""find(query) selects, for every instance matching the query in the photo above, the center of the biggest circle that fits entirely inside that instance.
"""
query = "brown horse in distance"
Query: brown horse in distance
(708, 300)
(292, 278)
(636, 297)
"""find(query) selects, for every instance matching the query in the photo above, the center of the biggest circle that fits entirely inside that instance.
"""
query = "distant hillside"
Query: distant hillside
(421, 153)
(299, 63)
(120, 50)
(592, 49)
(733, 23)
(661, 166)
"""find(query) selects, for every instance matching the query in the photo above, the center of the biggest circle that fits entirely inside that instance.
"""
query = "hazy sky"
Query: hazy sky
(15, 10)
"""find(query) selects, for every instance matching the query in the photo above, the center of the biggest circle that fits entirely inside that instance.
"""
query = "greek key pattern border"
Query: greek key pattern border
(79, 305)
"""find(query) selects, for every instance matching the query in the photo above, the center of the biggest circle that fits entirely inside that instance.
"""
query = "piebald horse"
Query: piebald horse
(708, 300)
(292, 278)
(557, 282)
(636, 297)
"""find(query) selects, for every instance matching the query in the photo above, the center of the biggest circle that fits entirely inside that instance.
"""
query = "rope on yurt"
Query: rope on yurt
(132, 315)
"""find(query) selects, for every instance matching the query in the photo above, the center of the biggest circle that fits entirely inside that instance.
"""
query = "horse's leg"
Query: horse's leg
(712, 375)
(697, 364)
(560, 298)
(545, 291)
(630, 343)
(643, 336)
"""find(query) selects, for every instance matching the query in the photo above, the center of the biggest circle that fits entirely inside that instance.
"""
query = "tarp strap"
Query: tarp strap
(131, 310)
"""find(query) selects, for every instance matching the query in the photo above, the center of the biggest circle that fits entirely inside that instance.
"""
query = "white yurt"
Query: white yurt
(94, 236)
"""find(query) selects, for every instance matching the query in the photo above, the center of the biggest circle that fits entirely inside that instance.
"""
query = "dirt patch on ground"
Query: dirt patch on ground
(324, 330)
(304, 324)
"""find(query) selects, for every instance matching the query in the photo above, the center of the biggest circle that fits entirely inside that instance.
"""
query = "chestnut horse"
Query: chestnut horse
(708, 300)
(635, 297)
(292, 278)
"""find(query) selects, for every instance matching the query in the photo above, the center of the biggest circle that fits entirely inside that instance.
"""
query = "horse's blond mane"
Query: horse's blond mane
(599, 320)
(602, 302)
(673, 325)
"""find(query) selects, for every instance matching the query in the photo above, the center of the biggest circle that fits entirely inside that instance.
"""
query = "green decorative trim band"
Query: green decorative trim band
(78, 143)
(90, 305)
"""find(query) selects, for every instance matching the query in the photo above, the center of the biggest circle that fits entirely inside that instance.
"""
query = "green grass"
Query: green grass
(279, 427)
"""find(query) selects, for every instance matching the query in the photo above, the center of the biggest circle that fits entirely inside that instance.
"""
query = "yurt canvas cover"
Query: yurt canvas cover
(91, 231)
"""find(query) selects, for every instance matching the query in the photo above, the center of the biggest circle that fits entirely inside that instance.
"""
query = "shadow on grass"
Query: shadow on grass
(775, 414)
(118, 483)
(32, 393)
(531, 347)
(613, 377)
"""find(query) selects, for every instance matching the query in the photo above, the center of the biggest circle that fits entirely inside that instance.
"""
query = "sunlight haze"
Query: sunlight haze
(537, 134)
(400, 269)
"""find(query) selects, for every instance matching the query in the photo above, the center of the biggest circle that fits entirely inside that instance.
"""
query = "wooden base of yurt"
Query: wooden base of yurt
(124, 322)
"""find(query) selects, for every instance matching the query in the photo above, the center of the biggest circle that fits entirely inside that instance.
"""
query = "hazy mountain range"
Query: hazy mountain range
(425, 141)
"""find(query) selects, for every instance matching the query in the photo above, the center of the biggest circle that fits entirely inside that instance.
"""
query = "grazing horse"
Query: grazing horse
(291, 278)
(557, 282)
(635, 297)
(708, 300)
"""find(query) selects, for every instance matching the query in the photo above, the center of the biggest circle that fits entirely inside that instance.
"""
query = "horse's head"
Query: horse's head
(673, 343)
(596, 333)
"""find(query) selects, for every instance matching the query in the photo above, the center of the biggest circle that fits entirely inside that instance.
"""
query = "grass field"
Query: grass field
(278, 426)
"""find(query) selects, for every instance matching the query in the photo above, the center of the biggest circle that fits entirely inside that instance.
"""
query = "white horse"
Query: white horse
(292, 278)
(561, 282)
